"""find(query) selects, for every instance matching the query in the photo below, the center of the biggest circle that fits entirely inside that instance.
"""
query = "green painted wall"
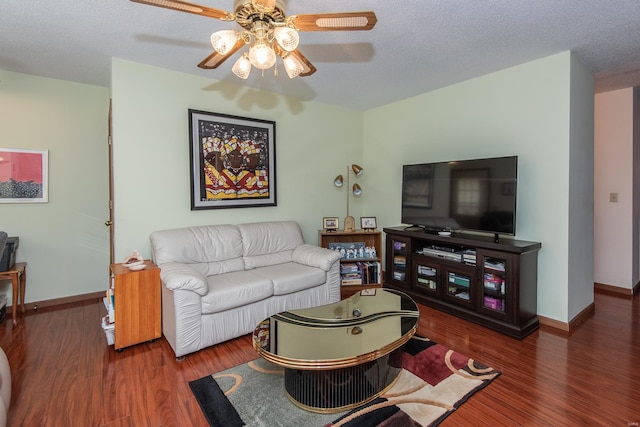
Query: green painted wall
(538, 111)
(523, 111)
(314, 143)
(64, 241)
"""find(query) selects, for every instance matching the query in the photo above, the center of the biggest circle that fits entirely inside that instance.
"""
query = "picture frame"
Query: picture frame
(353, 251)
(368, 223)
(369, 292)
(232, 161)
(24, 175)
(331, 223)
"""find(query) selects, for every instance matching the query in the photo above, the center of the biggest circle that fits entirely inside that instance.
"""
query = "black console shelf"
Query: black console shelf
(487, 280)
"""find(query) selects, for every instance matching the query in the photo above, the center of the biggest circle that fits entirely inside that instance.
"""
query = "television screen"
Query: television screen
(475, 195)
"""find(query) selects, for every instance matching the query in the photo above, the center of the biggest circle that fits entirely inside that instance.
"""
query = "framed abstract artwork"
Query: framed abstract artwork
(24, 175)
(233, 161)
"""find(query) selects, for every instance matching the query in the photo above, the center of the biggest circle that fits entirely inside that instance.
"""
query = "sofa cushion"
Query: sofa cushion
(269, 243)
(291, 277)
(235, 289)
(208, 249)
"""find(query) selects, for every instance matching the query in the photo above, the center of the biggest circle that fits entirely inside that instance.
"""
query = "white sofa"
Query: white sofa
(5, 388)
(220, 281)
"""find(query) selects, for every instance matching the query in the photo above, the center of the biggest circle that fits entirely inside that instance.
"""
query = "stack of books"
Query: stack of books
(400, 260)
(350, 274)
(109, 305)
(108, 325)
(469, 257)
(494, 264)
(361, 273)
(371, 272)
(494, 282)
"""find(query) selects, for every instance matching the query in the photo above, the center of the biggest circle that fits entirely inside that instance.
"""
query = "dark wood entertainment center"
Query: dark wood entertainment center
(492, 283)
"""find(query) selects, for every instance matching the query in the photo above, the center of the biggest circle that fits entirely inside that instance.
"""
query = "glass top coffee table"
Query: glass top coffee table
(341, 355)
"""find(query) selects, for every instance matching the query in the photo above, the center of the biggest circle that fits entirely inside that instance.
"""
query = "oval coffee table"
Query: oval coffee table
(342, 355)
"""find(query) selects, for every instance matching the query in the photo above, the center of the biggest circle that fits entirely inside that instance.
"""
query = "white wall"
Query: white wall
(523, 111)
(64, 241)
(314, 143)
(616, 257)
(581, 158)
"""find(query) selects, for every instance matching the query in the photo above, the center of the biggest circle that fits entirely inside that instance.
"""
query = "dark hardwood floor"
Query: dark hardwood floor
(64, 374)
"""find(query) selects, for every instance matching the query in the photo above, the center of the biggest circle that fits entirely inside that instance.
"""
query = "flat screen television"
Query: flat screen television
(472, 195)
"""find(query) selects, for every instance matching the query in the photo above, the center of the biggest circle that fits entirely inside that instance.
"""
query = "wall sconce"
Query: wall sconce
(356, 190)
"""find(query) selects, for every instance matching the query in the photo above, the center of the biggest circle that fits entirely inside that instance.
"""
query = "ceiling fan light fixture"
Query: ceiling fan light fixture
(292, 66)
(262, 56)
(223, 41)
(269, 32)
(287, 38)
(242, 67)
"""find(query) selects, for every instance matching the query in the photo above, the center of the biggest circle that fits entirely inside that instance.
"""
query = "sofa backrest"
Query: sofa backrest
(269, 243)
(212, 249)
(218, 249)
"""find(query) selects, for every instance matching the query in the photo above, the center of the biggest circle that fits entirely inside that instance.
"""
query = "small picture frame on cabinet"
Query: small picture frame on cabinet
(330, 223)
(368, 223)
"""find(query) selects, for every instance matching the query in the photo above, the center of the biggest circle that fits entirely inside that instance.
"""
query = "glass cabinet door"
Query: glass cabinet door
(426, 275)
(460, 283)
(495, 289)
(398, 268)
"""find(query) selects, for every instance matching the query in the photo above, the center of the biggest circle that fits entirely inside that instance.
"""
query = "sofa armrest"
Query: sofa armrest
(176, 275)
(315, 256)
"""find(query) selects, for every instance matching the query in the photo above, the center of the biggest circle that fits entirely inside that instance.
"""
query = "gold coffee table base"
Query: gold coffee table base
(342, 355)
(338, 390)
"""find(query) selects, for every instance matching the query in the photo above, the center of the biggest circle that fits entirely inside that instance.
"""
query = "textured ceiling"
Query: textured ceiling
(416, 46)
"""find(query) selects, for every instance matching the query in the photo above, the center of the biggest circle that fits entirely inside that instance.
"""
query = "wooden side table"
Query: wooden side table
(137, 304)
(18, 277)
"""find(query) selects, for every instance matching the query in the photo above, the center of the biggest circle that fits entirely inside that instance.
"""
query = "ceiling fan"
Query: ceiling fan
(268, 31)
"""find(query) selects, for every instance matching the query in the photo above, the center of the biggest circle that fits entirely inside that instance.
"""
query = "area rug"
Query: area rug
(434, 382)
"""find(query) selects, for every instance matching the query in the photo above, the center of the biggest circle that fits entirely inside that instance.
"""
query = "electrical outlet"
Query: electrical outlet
(613, 197)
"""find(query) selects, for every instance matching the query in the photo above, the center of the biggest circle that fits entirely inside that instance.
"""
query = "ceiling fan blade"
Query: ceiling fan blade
(308, 66)
(346, 21)
(184, 6)
(215, 59)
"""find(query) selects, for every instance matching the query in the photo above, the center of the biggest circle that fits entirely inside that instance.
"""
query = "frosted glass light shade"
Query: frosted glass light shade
(242, 67)
(262, 56)
(223, 41)
(287, 38)
(292, 66)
